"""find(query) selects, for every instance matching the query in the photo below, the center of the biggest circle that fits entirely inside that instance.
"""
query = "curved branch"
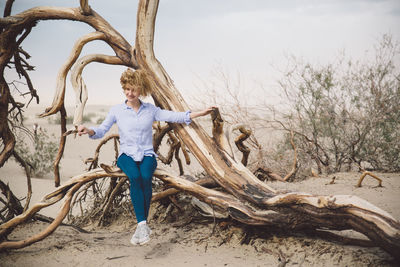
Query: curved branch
(184, 151)
(245, 133)
(173, 146)
(86, 10)
(50, 229)
(121, 47)
(28, 178)
(48, 200)
(94, 161)
(206, 182)
(63, 140)
(365, 173)
(159, 134)
(7, 8)
(78, 84)
(218, 132)
(58, 99)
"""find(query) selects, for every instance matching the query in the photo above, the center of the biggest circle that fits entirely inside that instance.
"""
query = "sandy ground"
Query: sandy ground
(194, 244)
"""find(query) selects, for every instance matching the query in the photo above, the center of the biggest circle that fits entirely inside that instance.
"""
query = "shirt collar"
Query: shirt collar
(128, 107)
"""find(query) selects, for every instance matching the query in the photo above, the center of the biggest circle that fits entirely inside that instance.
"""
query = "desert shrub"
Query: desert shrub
(346, 112)
(100, 120)
(88, 117)
(41, 156)
(57, 119)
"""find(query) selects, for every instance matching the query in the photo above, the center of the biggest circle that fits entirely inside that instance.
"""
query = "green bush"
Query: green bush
(41, 156)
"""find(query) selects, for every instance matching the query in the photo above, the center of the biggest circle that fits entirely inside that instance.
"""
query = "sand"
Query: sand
(175, 243)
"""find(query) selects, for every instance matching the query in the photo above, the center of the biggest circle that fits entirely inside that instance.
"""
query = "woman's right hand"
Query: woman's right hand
(83, 130)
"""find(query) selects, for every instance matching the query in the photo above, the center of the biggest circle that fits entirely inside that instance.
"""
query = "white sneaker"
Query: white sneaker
(148, 229)
(141, 235)
(135, 237)
(144, 234)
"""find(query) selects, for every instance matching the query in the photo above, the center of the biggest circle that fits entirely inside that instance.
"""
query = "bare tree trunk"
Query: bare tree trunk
(7, 46)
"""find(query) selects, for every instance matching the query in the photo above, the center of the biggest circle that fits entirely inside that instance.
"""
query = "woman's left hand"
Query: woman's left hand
(208, 110)
(202, 113)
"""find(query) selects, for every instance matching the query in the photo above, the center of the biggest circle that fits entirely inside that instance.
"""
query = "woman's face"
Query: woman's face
(132, 92)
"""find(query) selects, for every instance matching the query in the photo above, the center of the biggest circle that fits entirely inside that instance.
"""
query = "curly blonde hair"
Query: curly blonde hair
(138, 78)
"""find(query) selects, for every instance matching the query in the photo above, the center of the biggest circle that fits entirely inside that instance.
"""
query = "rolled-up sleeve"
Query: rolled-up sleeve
(172, 116)
(103, 128)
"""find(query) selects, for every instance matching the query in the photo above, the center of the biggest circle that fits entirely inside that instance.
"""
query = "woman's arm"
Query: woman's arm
(100, 131)
(179, 117)
(202, 112)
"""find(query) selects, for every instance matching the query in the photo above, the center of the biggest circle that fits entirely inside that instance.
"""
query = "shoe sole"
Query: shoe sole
(134, 242)
(144, 242)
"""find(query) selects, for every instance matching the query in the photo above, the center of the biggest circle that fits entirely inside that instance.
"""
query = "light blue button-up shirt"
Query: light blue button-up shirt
(135, 128)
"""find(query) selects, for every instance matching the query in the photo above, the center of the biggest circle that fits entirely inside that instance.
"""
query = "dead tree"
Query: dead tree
(246, 199)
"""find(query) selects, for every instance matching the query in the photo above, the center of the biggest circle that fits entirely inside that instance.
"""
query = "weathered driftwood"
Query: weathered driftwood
(66, 191)
(222, 202)
(267, 206)
(364, 174)
(245, 133)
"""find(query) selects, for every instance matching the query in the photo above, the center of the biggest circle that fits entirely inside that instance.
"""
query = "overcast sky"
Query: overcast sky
(194, 37)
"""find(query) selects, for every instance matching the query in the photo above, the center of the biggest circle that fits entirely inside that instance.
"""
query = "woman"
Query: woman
(137, 158)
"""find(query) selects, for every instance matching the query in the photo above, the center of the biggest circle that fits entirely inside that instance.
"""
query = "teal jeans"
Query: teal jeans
(140, 174)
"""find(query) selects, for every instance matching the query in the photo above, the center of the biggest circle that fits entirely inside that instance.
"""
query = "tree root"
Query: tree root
(107, 205)
(12, 205)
